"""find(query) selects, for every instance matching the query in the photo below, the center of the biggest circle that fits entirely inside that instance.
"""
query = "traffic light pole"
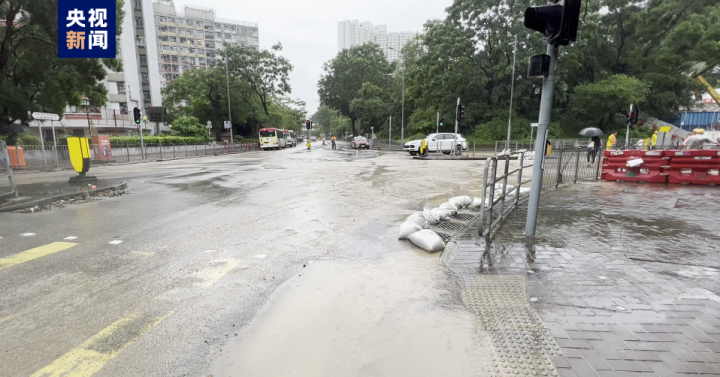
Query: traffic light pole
(437, 127)
(457, 120)
(627, 132)
(548, 90)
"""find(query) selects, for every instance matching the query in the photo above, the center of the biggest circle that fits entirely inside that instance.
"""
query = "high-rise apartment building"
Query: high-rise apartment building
(157, 45)
(355, 33)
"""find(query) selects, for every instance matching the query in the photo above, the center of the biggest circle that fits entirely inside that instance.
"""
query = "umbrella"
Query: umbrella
(697, 141)
(591, 131)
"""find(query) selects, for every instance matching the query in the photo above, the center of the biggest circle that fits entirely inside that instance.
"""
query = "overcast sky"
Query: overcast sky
(307, 29)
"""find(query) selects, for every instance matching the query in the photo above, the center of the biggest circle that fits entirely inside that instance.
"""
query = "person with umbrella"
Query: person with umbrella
(595, 144)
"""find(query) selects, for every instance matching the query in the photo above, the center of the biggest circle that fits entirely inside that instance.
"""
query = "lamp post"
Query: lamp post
(402, 116)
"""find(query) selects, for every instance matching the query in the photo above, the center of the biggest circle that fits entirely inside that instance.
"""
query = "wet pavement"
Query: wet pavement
(204, 258)
(624, 276)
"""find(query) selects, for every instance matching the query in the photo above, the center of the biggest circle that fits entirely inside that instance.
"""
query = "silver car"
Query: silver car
(442, 142)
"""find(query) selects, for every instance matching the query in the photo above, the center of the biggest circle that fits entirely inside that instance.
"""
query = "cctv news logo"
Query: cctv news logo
(86, 29)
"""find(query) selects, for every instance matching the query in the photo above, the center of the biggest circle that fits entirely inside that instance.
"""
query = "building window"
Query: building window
(146, 95)
(201, 51)
(173, 48)
(138, 21)
(137, 4)
(202, 60)
(162, 19)
(123, 108)
(227, 36)
(199, 24)
(140, 41)
(191, 51)
(172, 29)
(189, 22)
(218, 35)
(173, 39)
(143, 59)
(121, 87)
(145, 78)
(171, 20)
(183, 40)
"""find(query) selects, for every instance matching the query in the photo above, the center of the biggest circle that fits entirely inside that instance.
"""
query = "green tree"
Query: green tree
(265, 71)
(598, 104)
(32, 77)
(188, 126)
(370, 106)
(346, 74)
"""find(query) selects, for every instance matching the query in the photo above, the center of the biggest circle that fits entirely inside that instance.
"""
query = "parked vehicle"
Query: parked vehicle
(272, 138)
(359, 142)
(314, 138)
(442, 142)
(291, 138)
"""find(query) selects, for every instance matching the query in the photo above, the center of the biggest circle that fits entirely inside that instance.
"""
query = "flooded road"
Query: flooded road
(295, 251)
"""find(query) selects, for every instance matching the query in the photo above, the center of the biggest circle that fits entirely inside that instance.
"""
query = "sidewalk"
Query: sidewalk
(625, 277)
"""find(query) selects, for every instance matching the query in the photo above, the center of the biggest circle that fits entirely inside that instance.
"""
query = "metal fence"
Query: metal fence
(6, 173)
(563, 165)
(50, 156)
(582, 143)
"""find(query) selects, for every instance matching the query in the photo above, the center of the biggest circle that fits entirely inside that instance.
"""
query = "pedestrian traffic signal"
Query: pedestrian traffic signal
(557, 21)
(308, 124)
(137, 116)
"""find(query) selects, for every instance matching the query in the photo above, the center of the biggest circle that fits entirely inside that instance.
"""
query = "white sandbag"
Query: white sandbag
(477, 202)
(524, 190)
(449, 207)
(460, 201)
(427, 240)
(431, 217)
(408, 228)
(441, 213)
(418, 219)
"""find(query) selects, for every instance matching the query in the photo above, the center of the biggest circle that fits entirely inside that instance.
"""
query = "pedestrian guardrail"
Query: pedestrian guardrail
(50, 156)
(568, 165)
(6, 169)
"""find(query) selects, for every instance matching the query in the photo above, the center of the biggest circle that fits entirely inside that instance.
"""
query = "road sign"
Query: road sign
(534, 124)
(209, 125)
(228, 125)
(45, 116)
(155, 114)
(665, 129)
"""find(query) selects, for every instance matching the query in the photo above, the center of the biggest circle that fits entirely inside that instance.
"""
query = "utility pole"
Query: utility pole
(390, 137)
(512, 89)
(437, 124)
(548, 90)
(402, 119)
(227, 82)
(457, 121)
(627, 132)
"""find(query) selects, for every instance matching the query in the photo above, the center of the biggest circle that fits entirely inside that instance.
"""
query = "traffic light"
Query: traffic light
(460, 113)
(308, 124)
(137, 116)
(633, 115)
(557, 21)
(442, 121)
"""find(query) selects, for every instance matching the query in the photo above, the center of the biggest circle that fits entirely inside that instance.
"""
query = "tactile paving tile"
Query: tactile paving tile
(522, 346)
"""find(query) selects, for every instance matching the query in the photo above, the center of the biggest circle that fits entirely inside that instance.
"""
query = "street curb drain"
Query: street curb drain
(521, 344)
(52, 199)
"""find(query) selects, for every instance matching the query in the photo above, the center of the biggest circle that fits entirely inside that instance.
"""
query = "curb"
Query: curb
(55, 198)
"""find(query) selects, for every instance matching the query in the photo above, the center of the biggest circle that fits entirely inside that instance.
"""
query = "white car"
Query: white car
(442, 142)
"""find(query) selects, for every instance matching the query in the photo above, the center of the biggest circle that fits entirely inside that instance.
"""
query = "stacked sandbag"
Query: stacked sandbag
(427, 240)
(460, 201)
(450, 207)
(414, 223)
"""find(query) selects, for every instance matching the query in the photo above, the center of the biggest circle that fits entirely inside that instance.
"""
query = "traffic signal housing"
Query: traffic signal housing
(308, 124)
(633, 116)
(137, 115)
(460, 115)
(442, 121)
(557, 21)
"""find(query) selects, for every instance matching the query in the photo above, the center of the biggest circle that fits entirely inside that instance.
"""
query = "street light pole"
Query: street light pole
(402, 119)
(227, 82)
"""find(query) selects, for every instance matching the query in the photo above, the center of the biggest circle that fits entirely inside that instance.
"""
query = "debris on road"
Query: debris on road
(87, 197)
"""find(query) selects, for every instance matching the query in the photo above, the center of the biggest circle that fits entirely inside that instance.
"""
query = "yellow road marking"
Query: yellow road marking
(35, 253)
(89, 357)
(211, 275)
(11, 316)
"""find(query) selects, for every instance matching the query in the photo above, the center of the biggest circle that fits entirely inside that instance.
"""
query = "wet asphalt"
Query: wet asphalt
(159, 281)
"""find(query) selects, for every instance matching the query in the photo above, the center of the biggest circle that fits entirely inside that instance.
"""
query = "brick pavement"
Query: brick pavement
(625, 277)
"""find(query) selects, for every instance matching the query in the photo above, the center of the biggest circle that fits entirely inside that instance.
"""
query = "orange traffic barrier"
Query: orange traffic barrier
(16, 153)
(694, 167)
(617, 166)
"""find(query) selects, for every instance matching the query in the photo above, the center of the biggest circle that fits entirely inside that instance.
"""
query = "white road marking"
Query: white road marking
(210, 251)
(27, 234)
(115, 242)
(70, 238)
(260, 256)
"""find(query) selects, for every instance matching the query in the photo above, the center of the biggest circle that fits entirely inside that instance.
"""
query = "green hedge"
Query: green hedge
(133, 141)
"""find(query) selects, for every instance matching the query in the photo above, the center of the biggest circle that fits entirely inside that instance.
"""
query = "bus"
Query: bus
(272, 138)
(291, 138)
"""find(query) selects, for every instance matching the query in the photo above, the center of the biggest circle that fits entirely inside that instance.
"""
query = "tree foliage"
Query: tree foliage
(32, 77)
(188, 126)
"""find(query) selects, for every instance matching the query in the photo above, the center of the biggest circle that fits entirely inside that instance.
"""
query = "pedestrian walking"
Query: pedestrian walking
(597, 147)
(332, 138)
(612, 140)
(590, 152)
(646, 142)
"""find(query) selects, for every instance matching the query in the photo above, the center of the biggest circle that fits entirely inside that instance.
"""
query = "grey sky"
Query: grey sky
(308, 29)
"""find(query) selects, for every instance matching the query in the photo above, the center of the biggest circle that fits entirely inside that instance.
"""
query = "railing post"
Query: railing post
(504, 189)
(160, 151)
(196, 150)
(492, 200)
(598, 160)
(519, 180)
(558, 176)
(173, 150)
(577, 164)
(127, 149)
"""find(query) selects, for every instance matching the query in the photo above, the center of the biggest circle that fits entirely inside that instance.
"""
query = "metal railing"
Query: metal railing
(6, 169)
(567, 165)
(36, 156)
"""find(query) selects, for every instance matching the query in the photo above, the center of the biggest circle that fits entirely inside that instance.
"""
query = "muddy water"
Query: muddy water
(391, 317)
